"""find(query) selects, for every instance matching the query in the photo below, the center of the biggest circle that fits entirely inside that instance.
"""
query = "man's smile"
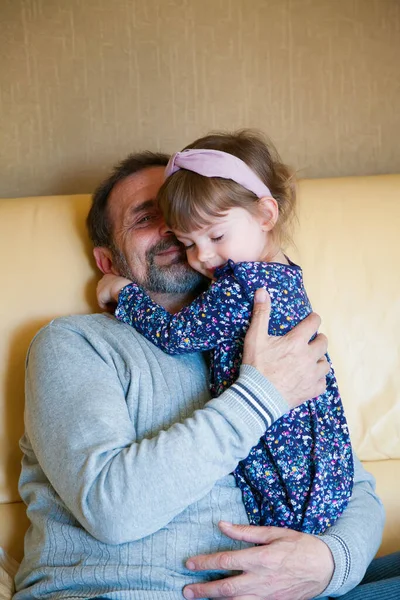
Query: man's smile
(170, 255)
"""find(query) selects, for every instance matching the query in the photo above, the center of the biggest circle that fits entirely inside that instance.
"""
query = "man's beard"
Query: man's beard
(176, 278)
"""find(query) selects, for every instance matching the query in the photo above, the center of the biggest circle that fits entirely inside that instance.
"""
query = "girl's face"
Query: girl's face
(237, 235)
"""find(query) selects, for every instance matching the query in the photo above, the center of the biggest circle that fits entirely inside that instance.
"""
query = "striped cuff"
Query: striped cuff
(342, 560)
(258, 398)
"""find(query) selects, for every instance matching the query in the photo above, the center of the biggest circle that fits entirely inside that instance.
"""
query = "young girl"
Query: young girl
(230, 201)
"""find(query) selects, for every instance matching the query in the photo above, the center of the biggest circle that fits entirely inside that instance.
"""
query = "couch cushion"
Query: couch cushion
(387, 474)
(13, 524)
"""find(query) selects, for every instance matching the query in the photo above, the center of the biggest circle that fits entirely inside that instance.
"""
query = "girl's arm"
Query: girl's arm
(217, 315)
(108, 289)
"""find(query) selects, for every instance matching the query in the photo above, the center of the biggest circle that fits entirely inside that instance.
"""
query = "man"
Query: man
(126, 469)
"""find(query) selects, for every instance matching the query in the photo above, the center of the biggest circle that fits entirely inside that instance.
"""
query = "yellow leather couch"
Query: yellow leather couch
(347, 243)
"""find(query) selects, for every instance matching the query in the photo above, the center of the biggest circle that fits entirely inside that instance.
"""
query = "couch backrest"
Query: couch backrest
(346, 243)
(47, 272)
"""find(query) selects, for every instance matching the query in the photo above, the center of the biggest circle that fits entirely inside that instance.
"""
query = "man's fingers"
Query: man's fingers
(250, 533)
(235, 560)
(319, 345)
(320, 387)
(323, 367)
(238, 560)
(231, 587)
(261, 307)
(262, 297)
(252, 597)
(306, 328)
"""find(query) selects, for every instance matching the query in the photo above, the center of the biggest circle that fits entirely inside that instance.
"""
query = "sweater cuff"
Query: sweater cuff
(259, 401)
(342, 560)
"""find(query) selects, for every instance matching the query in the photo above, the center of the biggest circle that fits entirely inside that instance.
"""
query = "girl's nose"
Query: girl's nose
(204, 253)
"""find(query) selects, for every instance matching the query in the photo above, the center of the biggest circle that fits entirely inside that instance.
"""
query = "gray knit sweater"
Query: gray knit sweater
(126, 468)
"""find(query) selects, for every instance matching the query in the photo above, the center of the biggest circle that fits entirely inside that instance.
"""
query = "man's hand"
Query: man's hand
(295, 366)
(108, 289)
(287, 566)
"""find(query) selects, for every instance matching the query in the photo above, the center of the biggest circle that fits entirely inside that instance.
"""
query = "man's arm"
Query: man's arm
(120, 488)
(356, 536)
(83, 437)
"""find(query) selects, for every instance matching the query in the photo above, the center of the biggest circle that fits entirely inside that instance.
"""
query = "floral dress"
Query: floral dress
(300, 474)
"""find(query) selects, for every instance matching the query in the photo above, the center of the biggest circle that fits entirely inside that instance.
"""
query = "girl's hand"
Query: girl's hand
(109, 288)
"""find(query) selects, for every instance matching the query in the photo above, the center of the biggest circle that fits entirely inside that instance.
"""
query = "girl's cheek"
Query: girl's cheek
(192, 261)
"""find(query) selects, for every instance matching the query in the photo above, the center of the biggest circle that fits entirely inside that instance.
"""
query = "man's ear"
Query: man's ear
(104, 260)
(269, 212)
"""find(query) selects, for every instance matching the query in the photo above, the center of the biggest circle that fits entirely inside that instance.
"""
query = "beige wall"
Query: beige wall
(85, 82)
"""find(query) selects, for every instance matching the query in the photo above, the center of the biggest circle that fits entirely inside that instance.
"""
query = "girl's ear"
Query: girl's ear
(269, 213)
(104, 260)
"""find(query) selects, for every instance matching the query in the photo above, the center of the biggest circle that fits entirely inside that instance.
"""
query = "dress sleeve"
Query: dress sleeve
(219, 314)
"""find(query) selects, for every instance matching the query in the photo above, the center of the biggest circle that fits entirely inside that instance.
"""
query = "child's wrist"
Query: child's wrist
(120, 284)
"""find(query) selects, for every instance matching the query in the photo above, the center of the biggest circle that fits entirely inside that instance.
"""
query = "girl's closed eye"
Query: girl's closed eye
(186, 242)
(217, 239)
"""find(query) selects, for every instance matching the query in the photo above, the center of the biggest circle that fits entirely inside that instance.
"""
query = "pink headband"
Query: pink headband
(214, 163)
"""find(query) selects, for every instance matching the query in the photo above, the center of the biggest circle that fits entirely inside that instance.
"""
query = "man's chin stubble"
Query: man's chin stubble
(175, 278)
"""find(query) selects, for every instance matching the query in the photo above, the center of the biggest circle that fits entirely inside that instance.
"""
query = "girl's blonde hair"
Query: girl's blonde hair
(190, 201)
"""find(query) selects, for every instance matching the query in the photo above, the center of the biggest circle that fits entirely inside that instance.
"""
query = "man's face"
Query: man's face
(144, 249)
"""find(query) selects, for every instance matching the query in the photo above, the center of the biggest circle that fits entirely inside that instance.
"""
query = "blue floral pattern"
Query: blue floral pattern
(300, 474)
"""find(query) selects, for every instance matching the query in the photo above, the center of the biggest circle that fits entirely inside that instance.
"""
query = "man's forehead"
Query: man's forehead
(136, 189)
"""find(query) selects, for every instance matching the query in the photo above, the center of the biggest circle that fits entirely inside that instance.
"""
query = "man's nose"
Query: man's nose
(165, 231)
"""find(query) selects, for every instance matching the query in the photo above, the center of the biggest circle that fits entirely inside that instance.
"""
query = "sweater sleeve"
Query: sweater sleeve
(218, 314)
(356, 536)
(117, 487)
